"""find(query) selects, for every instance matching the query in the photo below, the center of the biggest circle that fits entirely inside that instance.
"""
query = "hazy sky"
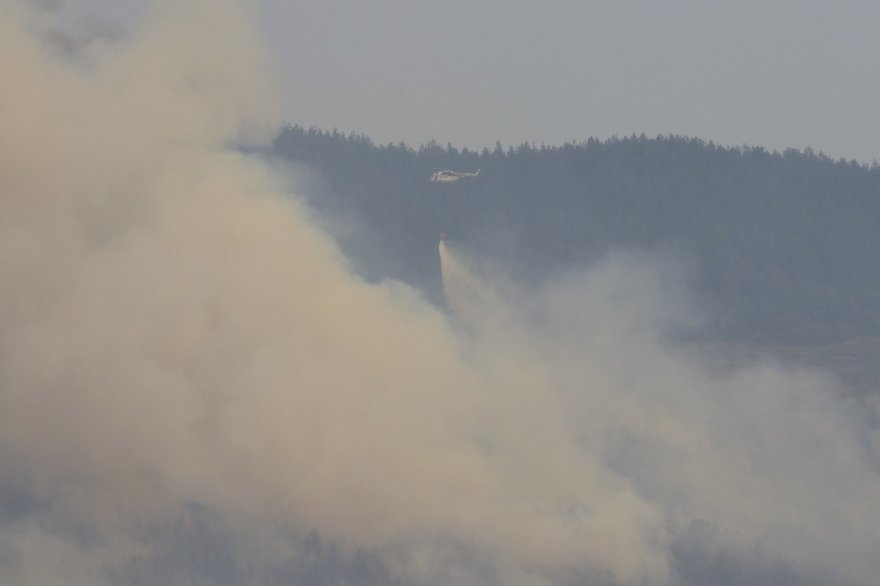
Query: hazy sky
(775, 73)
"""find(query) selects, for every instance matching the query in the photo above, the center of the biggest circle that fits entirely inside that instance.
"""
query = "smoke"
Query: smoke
(192, 380)
(759, 475)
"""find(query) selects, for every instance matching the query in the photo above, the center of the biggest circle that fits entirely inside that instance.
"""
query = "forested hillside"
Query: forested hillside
(779, 246)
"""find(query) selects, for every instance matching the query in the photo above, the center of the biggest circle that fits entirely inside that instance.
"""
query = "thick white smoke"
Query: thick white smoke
(176, 332)
(769, 463)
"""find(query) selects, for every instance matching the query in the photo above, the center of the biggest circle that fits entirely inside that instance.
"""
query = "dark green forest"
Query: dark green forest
(778, 246)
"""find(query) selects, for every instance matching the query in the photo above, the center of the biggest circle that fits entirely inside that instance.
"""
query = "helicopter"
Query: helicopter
(447, 176)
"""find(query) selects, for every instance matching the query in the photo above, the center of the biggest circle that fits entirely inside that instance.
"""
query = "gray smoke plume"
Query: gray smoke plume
(192, 380)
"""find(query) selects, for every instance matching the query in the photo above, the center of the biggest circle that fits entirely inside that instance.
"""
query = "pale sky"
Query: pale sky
(775, 73)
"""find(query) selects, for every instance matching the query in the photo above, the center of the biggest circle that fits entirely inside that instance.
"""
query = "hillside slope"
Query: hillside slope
(778, 246)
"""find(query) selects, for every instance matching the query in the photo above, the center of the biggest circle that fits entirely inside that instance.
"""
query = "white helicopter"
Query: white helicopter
(452, 176)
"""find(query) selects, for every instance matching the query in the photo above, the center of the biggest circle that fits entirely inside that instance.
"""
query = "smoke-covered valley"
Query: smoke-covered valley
(198, 386)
